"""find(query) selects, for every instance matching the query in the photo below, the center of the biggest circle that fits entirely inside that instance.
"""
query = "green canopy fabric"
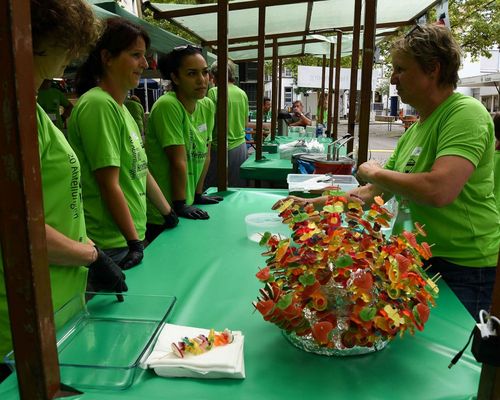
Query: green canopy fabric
(161, 40)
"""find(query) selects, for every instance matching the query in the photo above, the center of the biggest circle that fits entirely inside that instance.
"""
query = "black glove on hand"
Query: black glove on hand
(206, 199)
(105, 275)
(134, 255)
(171, 220)
(190, 212)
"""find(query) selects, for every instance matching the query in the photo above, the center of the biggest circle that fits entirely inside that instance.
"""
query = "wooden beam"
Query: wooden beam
(489, 381)
(330, 91)
(366, 78)
(336, 93)
(22, 226)
(353, 87)
(308, 24)
(260, 82)
(244, 39)
(269, 57)
(222, 94)
(274, 97)
(212, 9)
(280, 44)
(345, 29)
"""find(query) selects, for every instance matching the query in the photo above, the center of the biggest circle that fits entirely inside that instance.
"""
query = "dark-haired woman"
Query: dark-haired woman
(179, 133)
(61, 29)
(108, 143)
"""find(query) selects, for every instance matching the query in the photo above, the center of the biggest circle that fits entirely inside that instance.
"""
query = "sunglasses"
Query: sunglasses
(187, 46)
(416, 28)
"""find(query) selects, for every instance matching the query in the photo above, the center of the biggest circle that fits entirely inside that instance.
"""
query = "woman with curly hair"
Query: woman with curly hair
(61, 30)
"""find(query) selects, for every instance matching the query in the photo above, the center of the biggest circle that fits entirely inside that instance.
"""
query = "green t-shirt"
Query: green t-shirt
(237, 111)
(497, 179)
(465, 232)
(104, 134)
(63, 210)
(51, 100)
(170, 124)
(137, 113)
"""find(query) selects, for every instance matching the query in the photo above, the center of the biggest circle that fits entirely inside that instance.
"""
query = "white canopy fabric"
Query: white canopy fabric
(281, 19)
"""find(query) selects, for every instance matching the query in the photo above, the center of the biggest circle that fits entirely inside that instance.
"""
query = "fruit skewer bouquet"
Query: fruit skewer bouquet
(339, 282)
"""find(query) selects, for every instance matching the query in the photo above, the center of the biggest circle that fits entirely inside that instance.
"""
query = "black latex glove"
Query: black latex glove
(206, 199)
(105, 275)
(171, 220)
(134, 255)
(190, 212)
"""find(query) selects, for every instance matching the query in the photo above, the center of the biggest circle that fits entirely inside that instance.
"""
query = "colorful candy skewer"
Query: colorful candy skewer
(201, 343)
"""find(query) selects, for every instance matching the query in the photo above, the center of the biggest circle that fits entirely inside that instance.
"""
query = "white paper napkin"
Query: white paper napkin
(220, 362)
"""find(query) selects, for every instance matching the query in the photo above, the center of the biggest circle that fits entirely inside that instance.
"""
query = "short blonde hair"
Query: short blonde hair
(231, 70)
(429, 45)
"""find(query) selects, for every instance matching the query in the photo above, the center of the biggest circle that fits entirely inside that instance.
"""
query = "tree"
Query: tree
(476, 25)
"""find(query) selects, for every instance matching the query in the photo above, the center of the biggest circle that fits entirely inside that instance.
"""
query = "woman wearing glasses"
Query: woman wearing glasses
(441, 169)
(106, 138)
(179, 134)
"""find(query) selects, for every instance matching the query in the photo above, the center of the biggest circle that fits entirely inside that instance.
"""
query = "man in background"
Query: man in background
(51, 99)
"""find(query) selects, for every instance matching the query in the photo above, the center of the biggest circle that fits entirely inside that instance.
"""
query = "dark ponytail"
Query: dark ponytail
(89, 73)
(170, 63)
(119, 34)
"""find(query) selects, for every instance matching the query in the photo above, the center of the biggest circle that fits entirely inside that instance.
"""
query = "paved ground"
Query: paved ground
(382, 139)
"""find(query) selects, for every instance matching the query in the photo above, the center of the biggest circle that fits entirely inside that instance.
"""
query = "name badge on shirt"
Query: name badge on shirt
(202, 128)
(416, 151)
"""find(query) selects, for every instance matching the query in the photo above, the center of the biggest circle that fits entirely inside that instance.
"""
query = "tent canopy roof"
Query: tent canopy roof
(293, 19)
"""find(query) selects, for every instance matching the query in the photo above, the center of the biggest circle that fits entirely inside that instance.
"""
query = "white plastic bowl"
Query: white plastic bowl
(259, 223)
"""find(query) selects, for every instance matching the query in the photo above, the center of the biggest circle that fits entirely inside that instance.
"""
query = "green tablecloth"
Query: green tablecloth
(270, 168)
(210, 266)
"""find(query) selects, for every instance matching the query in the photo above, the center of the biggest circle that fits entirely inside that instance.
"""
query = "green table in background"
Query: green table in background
(210, 266)
(271, 167)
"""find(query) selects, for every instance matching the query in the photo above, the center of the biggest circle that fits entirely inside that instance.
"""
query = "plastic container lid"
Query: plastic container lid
(260, 223)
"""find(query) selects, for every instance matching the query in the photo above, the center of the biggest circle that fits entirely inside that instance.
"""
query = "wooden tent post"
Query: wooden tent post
(366, 78)
(22, 227)
(222, 17)
(353, 87)
(489, 382)
(260, 82)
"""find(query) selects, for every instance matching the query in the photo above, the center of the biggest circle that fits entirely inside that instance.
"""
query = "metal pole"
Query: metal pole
(222, 17)
(337, 87)
(330, 91)
(323, 78)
